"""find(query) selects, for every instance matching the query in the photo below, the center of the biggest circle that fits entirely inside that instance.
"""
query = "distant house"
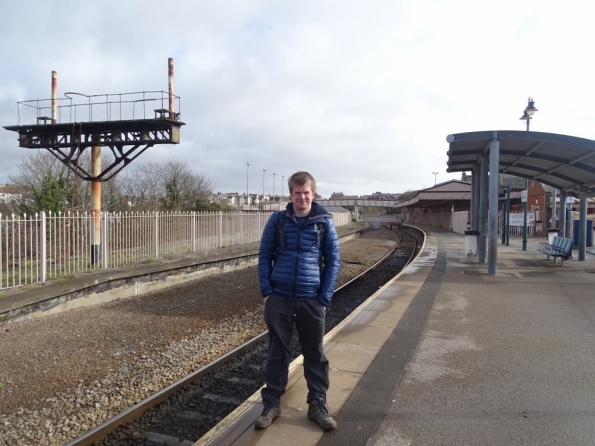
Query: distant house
(539, 203)
(11, 196)
(382, 196)
(447, 204)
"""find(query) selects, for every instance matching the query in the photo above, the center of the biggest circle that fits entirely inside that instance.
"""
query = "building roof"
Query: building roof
(560, 161)
(513, 181)
(452, 190)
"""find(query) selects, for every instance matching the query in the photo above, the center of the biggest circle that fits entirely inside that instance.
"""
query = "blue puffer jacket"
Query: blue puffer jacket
(301, 265)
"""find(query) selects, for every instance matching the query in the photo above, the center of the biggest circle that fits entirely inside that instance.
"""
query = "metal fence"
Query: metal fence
(515, 229)
(44, 246)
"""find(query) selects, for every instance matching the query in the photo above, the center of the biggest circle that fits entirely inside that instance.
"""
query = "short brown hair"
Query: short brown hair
(301, 179)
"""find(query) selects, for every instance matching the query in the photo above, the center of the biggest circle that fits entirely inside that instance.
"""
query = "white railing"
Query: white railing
(384, 218)
(514, 229)
(376, 221)
(36, 248)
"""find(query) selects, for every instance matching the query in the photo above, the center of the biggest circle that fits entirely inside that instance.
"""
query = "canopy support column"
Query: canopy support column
(476, 193)
(483, 210)
(582, 226)
(493, 205)
(562, 216)
(471, 201)
(553, 221)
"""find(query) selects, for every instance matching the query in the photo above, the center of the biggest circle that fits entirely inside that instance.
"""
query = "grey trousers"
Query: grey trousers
(280, 314)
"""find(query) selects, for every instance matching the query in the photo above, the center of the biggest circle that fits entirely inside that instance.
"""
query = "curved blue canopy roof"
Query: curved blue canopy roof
(561, 161)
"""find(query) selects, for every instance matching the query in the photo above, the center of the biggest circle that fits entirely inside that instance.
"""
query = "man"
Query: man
(298, 264)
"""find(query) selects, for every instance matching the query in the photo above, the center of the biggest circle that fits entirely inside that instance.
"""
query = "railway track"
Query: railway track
(186, 410)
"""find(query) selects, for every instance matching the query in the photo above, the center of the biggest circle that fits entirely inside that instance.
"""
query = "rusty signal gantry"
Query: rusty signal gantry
(117, 121)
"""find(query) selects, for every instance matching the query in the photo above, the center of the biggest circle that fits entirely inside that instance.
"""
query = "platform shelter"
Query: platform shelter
(566, 163)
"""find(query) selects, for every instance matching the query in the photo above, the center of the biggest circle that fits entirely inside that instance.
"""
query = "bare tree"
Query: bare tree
(184, 189)
(142, 185)
(40, 168)
(35, 167)
(170, 186)
(145, 186)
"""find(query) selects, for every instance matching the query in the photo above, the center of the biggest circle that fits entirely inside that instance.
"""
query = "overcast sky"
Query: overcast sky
(361, 94)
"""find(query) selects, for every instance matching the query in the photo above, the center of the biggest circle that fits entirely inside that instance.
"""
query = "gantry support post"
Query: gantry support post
(95, 204)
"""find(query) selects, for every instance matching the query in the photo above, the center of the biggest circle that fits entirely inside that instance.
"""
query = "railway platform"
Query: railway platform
(446, 354)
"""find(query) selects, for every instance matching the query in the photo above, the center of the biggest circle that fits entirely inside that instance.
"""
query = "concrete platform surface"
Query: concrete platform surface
(446, 354)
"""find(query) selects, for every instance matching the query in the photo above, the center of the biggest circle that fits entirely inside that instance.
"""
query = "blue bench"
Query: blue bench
(560, 247)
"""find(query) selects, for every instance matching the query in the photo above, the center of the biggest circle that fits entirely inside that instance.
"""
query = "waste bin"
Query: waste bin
(471, 243)
(551, 233)
(588, 235)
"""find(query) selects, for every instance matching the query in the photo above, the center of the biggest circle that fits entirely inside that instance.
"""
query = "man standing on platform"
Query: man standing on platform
(298, 265)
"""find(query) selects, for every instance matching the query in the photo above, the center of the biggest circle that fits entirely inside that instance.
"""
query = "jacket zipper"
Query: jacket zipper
(297, 257)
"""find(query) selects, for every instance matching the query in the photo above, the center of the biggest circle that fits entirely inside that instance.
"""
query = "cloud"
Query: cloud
(361, 94)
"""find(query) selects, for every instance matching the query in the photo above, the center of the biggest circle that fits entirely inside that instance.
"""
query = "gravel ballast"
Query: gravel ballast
(64, 373)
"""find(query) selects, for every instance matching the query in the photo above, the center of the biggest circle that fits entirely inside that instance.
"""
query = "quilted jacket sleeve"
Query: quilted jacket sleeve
(266, 255)
(332, 263)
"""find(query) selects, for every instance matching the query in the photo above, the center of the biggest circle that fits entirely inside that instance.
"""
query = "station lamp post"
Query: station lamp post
(247, 190)
(529, 111)
(263, 172)
(435, 173)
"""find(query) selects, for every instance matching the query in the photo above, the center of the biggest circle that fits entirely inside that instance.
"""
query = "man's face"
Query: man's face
(301, 197)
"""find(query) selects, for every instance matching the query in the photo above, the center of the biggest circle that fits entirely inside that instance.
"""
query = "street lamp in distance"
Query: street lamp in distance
(247, 189)
(529, 111)
(435, 173)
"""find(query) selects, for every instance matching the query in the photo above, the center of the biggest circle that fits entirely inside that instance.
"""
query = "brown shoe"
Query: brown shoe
(318, 411)
(266, 417)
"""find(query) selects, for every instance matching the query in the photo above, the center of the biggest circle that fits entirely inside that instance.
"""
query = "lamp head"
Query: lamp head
(530, 107)
(525, 116)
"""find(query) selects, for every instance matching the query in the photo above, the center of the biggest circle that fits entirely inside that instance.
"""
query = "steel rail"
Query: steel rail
(101, 431)
(132, 413)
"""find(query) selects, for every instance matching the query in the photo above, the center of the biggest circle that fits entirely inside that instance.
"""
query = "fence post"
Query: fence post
(259, 226)
(193, 229)
(42, 246)
(241, 227)
(156, 252)
(104, 240)
(220, 229)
